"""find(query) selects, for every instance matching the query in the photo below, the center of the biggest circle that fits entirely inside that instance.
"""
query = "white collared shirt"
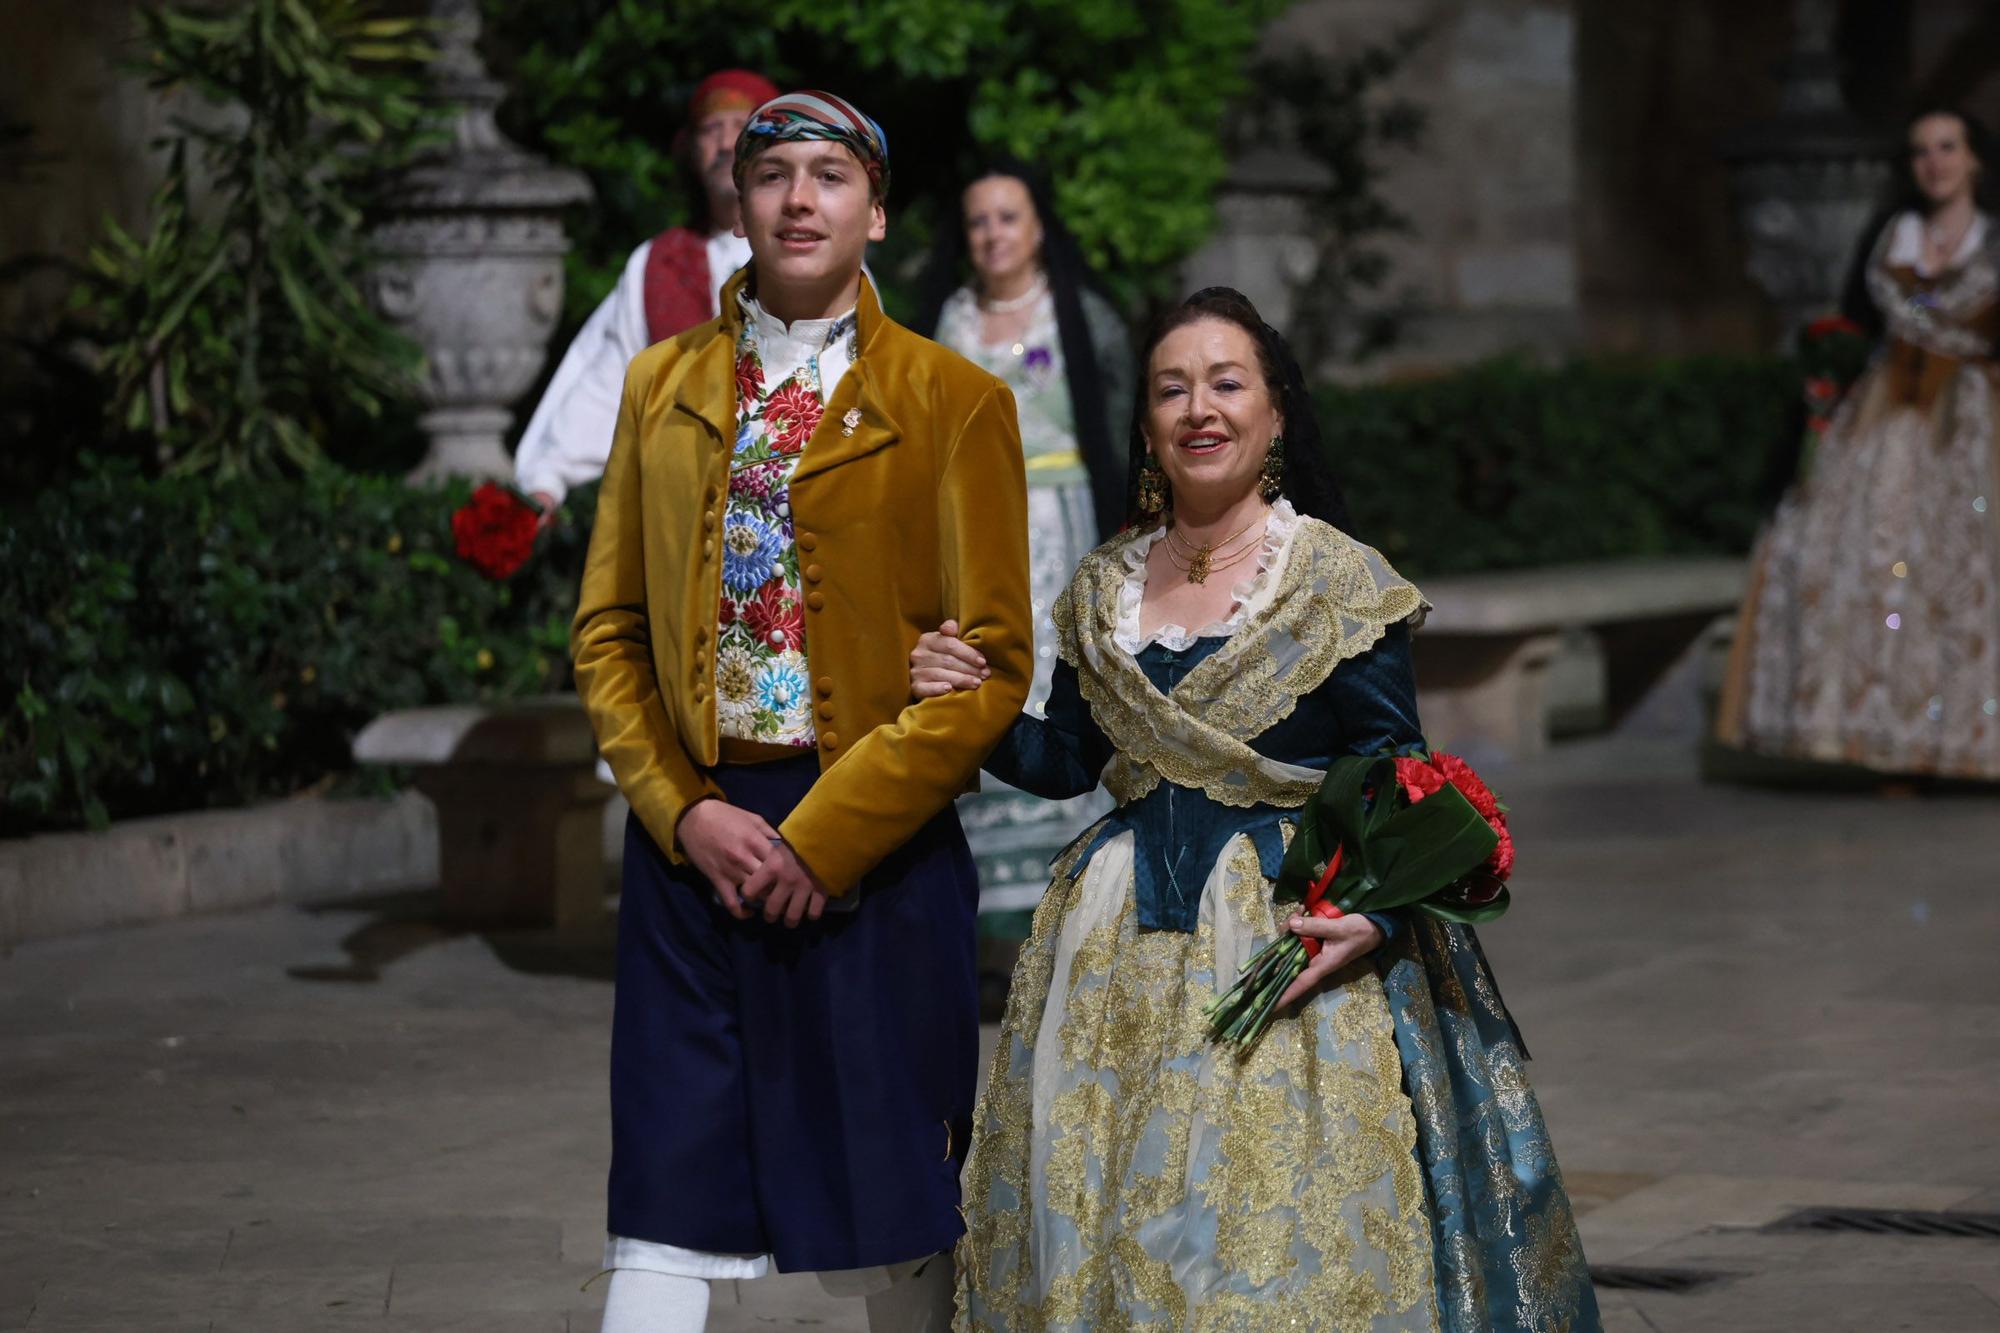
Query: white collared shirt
(783, 347)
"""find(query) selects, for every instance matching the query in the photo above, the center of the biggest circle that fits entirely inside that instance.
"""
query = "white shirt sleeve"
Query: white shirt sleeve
(568, 438)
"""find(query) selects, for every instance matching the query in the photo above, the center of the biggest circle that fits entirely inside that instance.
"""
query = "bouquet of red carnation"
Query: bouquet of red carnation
(495, 530)
(1833, 351)
(1422, 832)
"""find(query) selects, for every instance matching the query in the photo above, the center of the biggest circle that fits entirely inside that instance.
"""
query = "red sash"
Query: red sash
(677, 291)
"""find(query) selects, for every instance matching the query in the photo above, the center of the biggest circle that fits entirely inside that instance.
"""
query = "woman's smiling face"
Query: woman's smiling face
(1210, 412)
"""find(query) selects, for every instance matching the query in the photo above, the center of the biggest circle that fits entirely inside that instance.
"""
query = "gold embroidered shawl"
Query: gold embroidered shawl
(1334, 599)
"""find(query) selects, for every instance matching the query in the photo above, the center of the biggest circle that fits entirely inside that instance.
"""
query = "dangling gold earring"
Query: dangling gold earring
(1272, 482)
(1152, 489)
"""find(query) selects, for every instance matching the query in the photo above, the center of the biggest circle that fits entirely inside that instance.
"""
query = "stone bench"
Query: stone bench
(1501, 654)
(520, 809)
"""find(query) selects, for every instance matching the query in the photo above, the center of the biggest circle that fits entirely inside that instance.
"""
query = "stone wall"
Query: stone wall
(1571, 198)
(1493, 194)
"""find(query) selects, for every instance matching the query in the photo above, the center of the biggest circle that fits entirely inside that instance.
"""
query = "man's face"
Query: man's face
(809, 213)
(712, 149)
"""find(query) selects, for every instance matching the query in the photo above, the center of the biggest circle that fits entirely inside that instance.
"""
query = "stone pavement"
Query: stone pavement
(1740, 1002)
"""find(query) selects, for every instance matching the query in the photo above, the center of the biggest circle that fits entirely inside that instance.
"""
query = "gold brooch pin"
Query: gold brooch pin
(850, 421)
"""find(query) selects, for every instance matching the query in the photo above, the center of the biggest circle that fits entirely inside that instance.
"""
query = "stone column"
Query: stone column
(471, 262)
(1809, 181)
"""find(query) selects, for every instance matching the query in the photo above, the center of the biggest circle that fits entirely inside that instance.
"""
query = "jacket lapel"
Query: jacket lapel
(834, 441)
(708, 387)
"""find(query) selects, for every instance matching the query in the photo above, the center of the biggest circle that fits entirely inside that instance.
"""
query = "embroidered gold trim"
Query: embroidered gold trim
(1298, 1159)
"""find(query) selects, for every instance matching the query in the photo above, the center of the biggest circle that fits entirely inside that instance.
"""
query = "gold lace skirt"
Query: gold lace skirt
(1127, 1171)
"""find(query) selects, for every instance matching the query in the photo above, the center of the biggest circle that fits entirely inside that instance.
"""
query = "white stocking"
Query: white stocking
(642, 1301)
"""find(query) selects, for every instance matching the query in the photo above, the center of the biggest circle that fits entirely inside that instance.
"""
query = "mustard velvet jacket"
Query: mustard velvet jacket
(917, 516)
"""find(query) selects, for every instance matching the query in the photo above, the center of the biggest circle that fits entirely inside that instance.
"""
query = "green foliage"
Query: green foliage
(232, 331)
(1508, 465)
(1121, 101)
(184, 642)
(1336, 113)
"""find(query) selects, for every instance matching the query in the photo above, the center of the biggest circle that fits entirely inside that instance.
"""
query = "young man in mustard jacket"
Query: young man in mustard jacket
(797, 490)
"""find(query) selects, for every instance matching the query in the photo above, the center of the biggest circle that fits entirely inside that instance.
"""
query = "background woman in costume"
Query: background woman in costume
(1871, 632)
(1377, 1159)
(1009, 291)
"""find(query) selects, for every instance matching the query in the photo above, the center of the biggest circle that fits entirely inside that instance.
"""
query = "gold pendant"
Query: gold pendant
(1198, 567)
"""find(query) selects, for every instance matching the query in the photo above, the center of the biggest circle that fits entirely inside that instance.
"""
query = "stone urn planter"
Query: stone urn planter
(471, 262)
(1809, 181)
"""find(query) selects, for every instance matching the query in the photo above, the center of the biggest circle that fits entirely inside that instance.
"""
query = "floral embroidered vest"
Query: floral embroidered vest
(760, 664)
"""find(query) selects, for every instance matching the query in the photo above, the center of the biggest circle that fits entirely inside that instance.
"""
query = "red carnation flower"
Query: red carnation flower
(1459, 773)
(749, 379)
(1501, 864)
(773, 615)
(727, 615)
(791, 416)
(495, 531)
(1827, 326)
(1418, 776)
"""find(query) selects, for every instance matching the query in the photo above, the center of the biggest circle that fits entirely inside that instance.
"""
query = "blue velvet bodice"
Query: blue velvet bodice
(1366, 705)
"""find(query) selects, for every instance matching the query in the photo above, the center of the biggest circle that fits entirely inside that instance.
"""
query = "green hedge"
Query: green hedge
(1508, 465)
(179, 643)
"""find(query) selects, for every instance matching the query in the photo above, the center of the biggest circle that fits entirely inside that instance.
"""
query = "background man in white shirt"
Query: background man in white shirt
(671, 283)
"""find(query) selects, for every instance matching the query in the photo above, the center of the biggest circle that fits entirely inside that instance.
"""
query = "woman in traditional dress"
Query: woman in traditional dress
(1871, 633)
(1009, 291)
(1377, 1160)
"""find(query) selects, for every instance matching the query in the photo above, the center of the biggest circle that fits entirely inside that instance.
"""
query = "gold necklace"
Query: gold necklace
(1188, 568)
(1200, 560)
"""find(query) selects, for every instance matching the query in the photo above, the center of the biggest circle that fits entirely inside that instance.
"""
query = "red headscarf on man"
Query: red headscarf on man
(724, 90)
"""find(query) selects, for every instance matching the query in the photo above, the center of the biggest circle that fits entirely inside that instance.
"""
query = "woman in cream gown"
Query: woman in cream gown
(1008, 291)
(1871, 635)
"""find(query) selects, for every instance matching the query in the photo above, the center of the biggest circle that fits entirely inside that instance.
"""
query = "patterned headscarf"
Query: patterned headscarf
(816, 115)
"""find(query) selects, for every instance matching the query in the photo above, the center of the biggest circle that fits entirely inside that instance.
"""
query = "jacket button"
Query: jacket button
(825, 686)
(709, 497)
(815, 600)
(808, 542)
(812, 573)
(700, 693)
(700, 635)
(708, 521)
(700, 662)
(826, 712)
(829, 740)
(708, 550)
